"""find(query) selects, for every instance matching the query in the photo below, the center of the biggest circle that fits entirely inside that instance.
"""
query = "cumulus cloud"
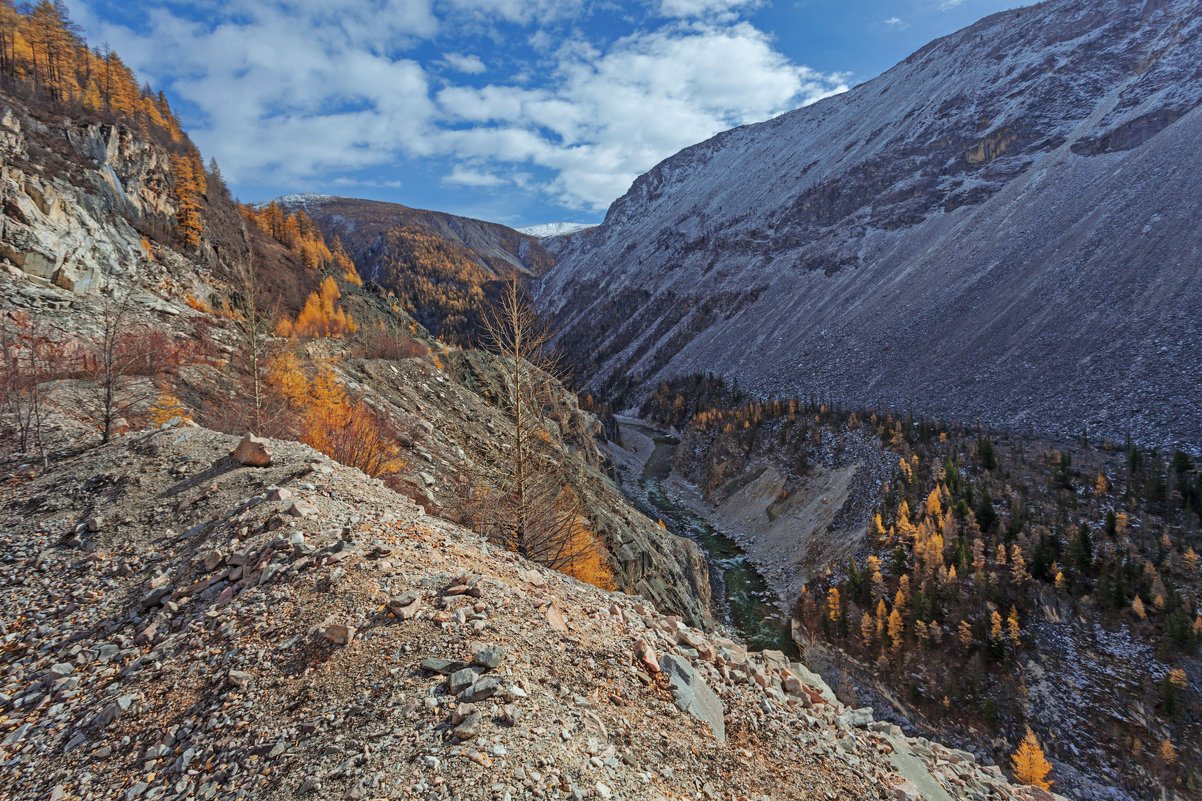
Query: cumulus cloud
(517, 11)
(609, 116)
(371, 182)
(299, 92)
(467, 176)
(471, 65)
(691, 9)
(896, 22)
(292, 89)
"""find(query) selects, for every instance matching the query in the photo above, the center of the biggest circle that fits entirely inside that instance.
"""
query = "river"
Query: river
(745, 599)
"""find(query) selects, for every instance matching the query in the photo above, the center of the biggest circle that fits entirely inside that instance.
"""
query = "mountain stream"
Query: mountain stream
(744, 597)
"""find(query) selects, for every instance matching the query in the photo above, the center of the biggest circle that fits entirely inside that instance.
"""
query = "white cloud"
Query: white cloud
(469, 64)
(607, 117)
(289, 90)
(947, 5)
(518, 11)
(370, 182)
(297, 92)
(692, 9)
(466, 176)
(896, 22)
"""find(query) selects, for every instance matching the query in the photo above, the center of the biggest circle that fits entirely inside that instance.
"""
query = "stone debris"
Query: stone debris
(227, 650)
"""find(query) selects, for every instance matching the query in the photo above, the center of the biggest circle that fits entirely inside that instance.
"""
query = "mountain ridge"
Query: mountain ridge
(924, 241)
(442, 268)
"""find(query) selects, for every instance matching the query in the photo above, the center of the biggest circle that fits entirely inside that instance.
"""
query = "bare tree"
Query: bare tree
(27, 360)
(253, 403)
(111, 364)
(528, 500)
(251, 332)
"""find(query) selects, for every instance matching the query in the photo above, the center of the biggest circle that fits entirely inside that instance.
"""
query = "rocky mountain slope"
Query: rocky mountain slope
(177, 624)
(441, 267)
(1001, 226)
(66, 238)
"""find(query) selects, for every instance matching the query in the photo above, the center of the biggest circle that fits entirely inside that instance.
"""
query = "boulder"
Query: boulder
(339, 633)
(693, 695)
(302, 509)
(252, 452)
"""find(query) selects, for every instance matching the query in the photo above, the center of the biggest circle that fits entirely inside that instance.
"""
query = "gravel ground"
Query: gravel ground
(177, 625)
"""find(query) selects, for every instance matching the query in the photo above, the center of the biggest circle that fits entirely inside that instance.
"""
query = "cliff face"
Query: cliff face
(1001, 226)
(67, 219)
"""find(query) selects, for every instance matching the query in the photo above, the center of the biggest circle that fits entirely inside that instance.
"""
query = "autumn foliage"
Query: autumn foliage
(1029, 764)
(342, 427)
(300, 234)
(39, 45)
(588, 561)
(188, 172)
(167, 407)
(321, 317)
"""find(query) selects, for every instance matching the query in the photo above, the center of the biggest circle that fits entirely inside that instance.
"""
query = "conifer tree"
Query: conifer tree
(964, 634)
(1167, 752)
(896, 630)
(526, 501)
(1029, 765)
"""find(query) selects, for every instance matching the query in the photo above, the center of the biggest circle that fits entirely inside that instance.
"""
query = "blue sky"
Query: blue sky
(518, 111)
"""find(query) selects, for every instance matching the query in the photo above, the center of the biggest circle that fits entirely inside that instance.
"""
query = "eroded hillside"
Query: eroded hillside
(1000, 227)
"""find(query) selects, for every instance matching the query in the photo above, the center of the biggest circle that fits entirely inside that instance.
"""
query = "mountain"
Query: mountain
(190, 613)
(1001, 227)
(547, 230)
(440, 267)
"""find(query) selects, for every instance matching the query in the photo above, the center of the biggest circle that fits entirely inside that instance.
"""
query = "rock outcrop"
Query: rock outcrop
(72, 233)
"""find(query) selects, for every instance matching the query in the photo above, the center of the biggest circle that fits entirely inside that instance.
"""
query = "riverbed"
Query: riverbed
(745, 599)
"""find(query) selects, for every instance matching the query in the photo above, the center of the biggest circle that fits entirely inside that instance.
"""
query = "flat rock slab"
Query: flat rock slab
(693, 695)
(912, 769)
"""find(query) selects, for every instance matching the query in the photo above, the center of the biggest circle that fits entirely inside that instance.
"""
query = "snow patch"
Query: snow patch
(544, 230)
(301, 199)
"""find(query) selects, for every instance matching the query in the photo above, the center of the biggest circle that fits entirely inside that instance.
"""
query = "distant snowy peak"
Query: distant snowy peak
(300, 200)
(544, 230)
